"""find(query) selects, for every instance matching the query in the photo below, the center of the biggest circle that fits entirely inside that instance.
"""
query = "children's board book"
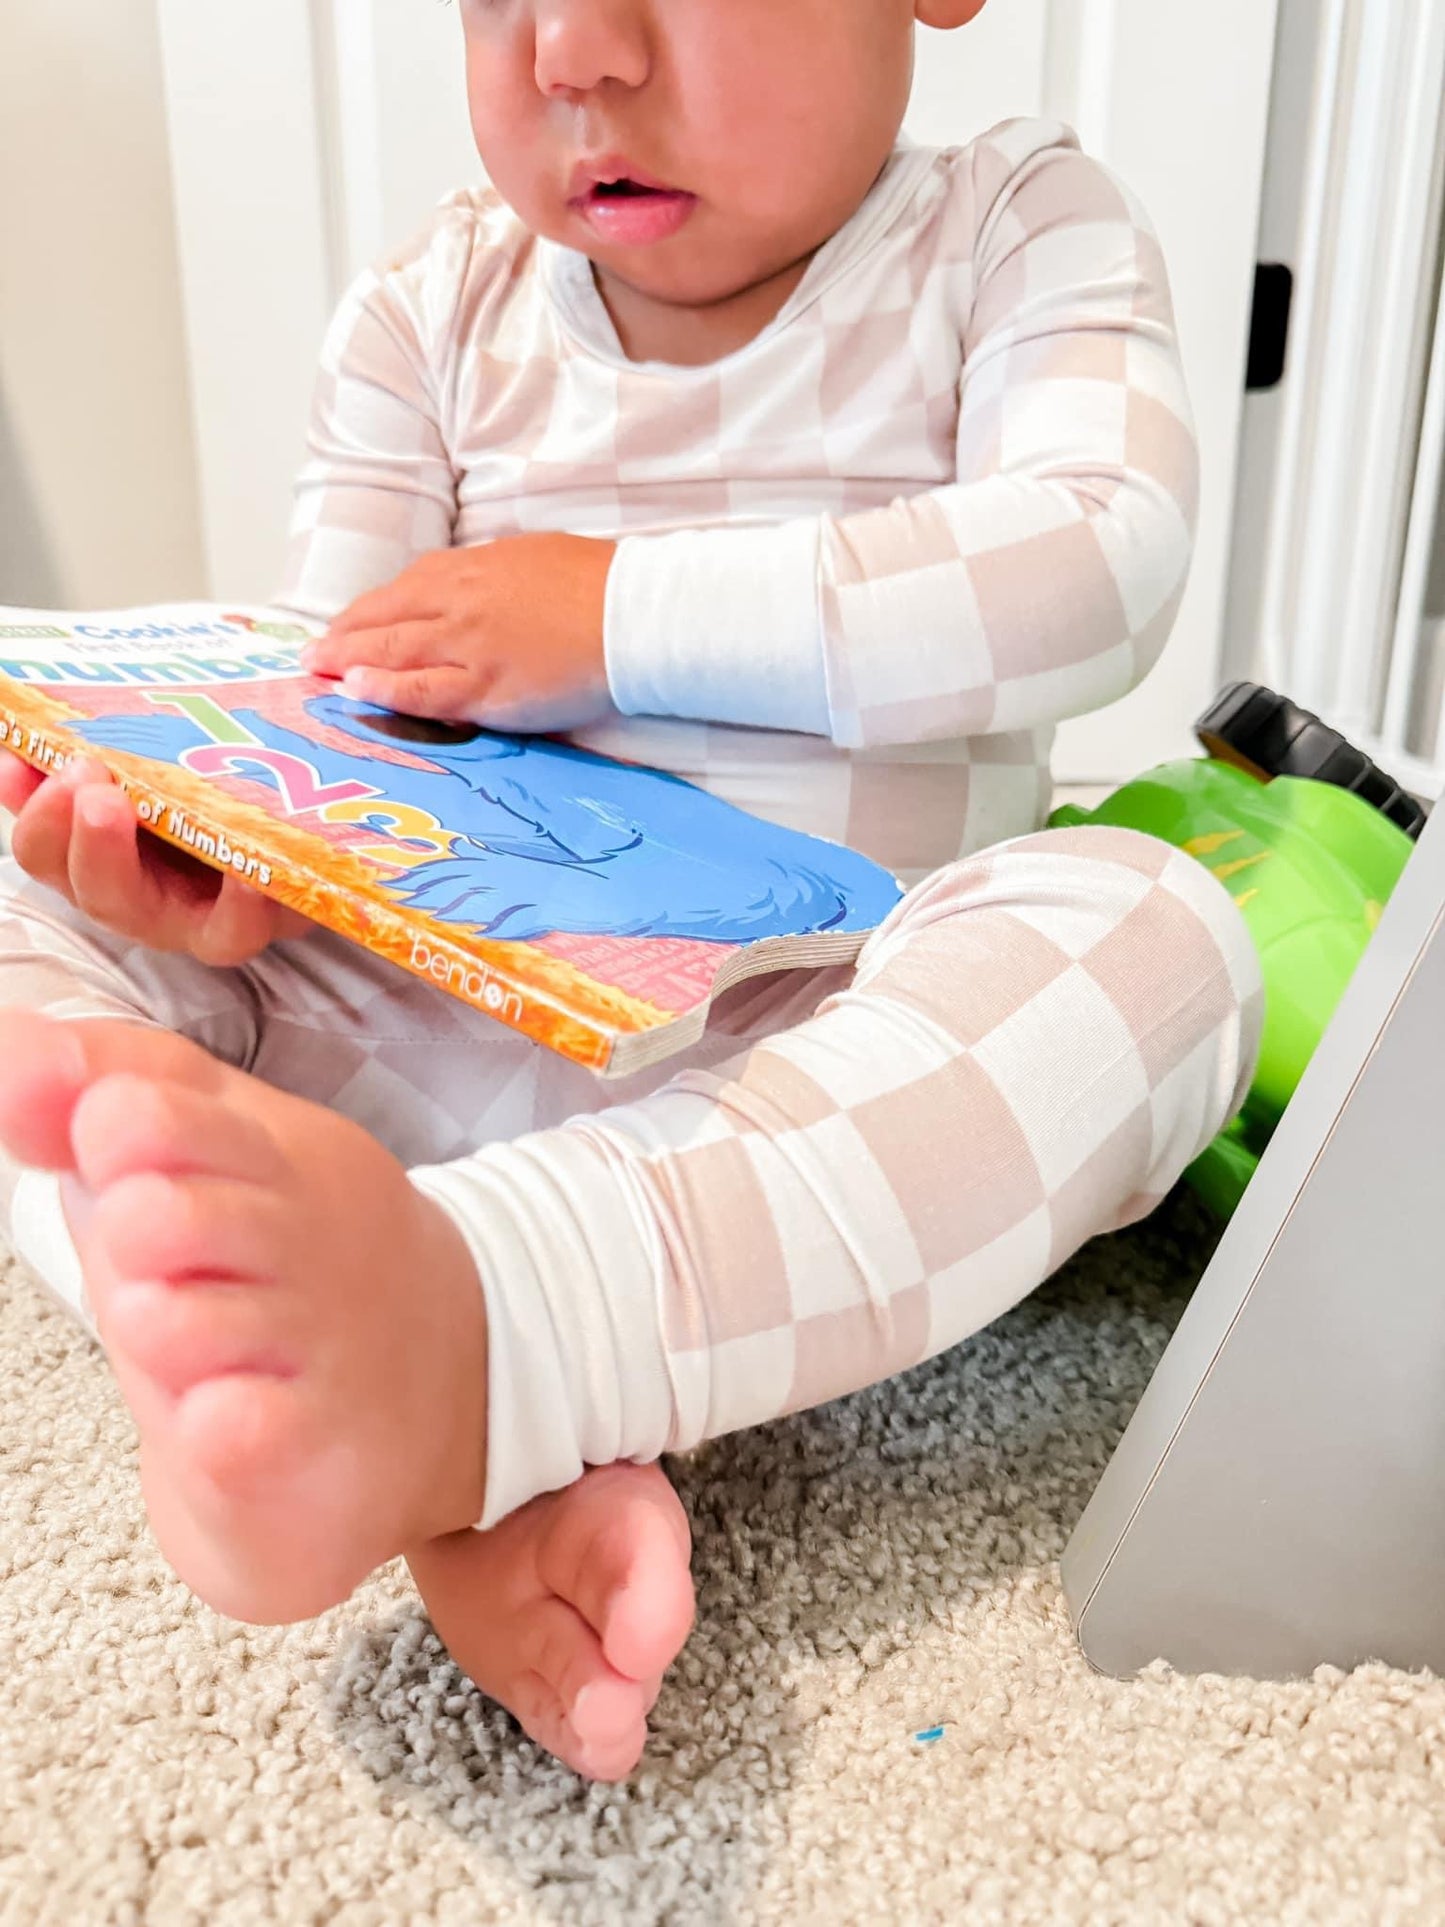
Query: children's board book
(596, 906)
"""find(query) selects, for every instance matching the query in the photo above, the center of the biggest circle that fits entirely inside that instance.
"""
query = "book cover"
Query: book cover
(596, 906)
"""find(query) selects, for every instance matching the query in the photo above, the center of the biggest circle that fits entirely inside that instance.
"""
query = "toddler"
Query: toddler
(727, 433)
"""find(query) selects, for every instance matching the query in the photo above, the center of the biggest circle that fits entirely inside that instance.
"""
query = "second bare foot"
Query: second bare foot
(570, 1611)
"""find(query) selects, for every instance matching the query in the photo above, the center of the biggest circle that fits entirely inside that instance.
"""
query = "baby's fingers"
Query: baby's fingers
(139, 887)
(108, 879)
(413, 595)
(40, 839)
(18, 782)
(442, 690)
(80, 835)
(398, 645)
(241, 922)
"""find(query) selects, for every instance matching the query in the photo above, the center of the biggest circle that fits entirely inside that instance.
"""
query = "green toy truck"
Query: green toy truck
(1309, 837)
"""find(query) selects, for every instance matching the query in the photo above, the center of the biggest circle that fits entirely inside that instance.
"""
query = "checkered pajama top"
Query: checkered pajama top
(866, 562)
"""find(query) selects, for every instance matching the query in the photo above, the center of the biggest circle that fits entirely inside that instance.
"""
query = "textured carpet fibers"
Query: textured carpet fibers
(868, 1574)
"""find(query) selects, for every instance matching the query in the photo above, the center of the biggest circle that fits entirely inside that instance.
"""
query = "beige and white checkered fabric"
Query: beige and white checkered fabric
(868, 561)
(1032, 1049)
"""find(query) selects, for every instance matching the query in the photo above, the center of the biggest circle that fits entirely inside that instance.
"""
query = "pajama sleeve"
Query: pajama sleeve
(377, 489)
(1041, 583)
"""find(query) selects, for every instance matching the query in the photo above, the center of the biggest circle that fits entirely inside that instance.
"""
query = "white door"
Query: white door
(1338, 582)
(308, 135)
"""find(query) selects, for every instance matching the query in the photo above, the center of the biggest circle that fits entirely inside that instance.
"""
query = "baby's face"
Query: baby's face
(691, 148)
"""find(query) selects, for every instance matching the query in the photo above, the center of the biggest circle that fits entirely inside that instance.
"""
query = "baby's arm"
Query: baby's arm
(377, 489)
(508, 632)
(1041, 584)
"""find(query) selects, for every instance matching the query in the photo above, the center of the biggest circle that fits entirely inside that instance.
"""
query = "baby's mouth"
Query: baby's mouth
(629, 209)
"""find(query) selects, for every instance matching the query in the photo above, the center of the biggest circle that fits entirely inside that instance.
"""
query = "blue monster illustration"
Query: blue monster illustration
(552, 838)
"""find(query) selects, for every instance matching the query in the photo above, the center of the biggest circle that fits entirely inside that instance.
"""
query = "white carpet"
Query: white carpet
(866, 1573)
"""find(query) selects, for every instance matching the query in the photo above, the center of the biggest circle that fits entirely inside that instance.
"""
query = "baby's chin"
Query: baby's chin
(690, 279)
(706, 264)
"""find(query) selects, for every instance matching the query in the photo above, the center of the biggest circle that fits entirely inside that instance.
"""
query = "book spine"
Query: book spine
(40, 738)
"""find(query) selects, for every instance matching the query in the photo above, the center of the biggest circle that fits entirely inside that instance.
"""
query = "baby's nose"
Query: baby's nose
(581, 44)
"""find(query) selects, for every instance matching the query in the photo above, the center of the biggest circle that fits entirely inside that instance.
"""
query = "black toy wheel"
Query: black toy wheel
(1268, 735)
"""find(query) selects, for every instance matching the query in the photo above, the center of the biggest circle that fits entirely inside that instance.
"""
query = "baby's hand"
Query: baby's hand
(508, 634)
(77, 833)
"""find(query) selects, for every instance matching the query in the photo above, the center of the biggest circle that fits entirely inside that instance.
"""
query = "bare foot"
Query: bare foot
(299, 1333)
(570, 1611)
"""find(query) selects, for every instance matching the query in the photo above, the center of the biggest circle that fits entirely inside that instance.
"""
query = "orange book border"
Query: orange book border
(330, 887)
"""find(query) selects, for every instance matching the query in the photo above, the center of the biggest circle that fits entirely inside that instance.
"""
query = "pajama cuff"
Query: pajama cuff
(576, 1372)
(41, 1236)
(719, 625)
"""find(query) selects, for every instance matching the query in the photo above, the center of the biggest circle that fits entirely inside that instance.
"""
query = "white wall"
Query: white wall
(98, 499)
(964, 82)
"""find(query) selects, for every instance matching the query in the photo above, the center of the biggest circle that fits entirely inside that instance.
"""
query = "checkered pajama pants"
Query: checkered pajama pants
(854, 1170)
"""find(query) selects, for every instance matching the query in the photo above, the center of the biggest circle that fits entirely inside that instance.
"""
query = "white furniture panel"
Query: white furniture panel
(1342, 464)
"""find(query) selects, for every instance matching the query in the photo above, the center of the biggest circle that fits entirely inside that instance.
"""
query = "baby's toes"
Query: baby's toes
(612, 1758)
(236, 1484)
(254, 1440)
(599, 1753)
(124, 1125)
(618, 1553)
(180, 1336)
(158, 1229)
(181, 1276)
(567, 1675)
